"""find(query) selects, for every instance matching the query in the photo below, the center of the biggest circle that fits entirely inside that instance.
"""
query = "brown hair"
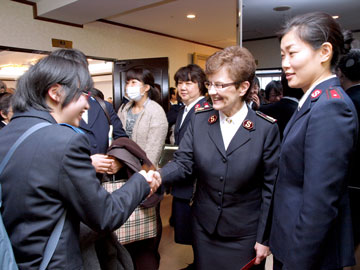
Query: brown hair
(239, 63)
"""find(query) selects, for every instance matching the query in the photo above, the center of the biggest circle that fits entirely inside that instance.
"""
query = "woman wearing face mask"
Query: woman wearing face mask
(144, 119)
(146, 124)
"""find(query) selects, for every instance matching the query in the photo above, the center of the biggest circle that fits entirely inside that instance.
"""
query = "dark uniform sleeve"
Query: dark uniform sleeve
(182, 165)
(81, 189)
(118, 130)
(270, 160)
(328, 145)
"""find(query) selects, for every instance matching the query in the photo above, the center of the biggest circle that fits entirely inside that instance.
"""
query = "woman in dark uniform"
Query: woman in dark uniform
(235, 153)
(311, 228)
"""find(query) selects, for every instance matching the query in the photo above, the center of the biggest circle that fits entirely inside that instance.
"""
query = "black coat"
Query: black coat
(49, 172)
(311, 226)
(281, 111)
(97, 128)
(354, 179)
(234, 186)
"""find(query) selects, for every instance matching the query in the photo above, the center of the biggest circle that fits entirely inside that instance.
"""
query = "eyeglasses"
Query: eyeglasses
(219, 86)
(87, 94)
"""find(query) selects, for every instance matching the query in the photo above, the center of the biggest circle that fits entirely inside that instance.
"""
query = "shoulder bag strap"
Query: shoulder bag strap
(55, 235)
(19, 141)
(103, 106)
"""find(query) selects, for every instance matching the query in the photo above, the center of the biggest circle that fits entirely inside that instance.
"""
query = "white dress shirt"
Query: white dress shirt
(188, 108)
(308, 92)
(230, 125)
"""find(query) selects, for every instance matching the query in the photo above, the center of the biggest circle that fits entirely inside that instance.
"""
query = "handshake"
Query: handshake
(153, 178)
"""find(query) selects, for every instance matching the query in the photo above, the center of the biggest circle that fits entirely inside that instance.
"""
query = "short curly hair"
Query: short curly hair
(239, 63)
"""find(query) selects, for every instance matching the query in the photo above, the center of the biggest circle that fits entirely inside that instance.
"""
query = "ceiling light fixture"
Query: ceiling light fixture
(281, 8)
(336, 17)
(191, 16)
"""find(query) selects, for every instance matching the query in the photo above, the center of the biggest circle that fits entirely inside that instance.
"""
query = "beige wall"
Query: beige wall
(19, 29)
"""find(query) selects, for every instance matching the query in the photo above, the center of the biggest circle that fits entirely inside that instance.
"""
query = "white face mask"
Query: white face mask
(134, 93)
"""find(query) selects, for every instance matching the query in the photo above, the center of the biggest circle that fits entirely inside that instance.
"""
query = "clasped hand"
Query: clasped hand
(153, 178)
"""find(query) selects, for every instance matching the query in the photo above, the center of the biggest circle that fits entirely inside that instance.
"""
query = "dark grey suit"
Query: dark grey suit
(234, 187)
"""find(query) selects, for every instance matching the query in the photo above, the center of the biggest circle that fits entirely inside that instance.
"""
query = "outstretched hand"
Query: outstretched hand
(153, 178)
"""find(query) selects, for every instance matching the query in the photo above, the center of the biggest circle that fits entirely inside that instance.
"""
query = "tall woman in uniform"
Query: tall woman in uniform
(235, 153)
(311, 226)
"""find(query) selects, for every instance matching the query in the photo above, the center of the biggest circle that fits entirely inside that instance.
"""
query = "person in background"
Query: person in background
(311, 225)
(233, 153)
(171, 115)
(51, 172)
(146, 124)
(3, 87)
(273, 91)
(190, 86)
(348, 71)
(254, 99)
(173, 96)
(6, 111)
(97, 93)
(283, 109)
(99, 122)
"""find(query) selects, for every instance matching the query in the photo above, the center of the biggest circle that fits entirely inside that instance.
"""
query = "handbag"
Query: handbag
(141, 224)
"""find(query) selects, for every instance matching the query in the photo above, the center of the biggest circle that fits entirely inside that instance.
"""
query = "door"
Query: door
(158, 67)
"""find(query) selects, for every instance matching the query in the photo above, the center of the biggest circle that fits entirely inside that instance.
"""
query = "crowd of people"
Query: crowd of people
(257, 172)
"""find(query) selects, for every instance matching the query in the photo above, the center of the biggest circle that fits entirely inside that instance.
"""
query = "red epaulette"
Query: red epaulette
(334, 93)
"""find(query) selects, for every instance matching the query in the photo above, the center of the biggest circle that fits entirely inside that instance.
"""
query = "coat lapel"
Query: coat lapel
(215, 135)
(242, 135)
(92, 115)
(305, 108)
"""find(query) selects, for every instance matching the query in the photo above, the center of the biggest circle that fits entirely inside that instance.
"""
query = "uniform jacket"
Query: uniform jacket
(49, 172)
(354, 179)
(184, 189)
(281, 111)
(354, 94)
(234, 187)
(311, 226)
(150, 128)
(97, 128)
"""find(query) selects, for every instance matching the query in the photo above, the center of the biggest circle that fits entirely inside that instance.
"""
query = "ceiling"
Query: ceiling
(215, 22)
(214, 25)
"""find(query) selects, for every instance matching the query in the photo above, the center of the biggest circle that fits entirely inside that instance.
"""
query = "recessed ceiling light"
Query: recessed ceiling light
(191, 16)
(281, 8)
(336, 17)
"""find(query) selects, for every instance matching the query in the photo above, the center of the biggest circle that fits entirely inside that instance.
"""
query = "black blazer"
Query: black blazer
(281, 111)
(97, 128)
(184, 189)
(49, 172)
(234, 187)
(311, 226)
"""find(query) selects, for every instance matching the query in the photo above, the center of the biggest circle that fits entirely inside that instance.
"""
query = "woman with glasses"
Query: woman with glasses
(233, 153)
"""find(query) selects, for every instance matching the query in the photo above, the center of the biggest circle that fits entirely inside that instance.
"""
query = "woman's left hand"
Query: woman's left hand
(116, 165)
(261, 252)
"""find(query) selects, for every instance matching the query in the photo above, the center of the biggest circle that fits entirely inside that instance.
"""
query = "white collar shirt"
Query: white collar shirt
(188, 108)
(230, 125)
(308, 92)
